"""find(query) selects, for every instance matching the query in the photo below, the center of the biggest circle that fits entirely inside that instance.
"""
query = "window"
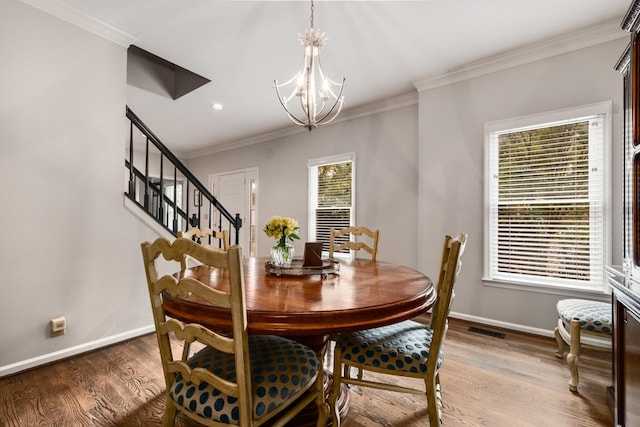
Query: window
(546, 197)
(331, 195)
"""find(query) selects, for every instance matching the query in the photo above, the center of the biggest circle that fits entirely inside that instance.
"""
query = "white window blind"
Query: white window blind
(547, 219)
(331, 196)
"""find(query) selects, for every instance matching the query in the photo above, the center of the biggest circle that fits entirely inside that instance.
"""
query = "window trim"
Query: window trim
(541, 119)
(312, 195)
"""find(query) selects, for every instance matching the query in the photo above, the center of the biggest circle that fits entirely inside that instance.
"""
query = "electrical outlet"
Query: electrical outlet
(58, 326)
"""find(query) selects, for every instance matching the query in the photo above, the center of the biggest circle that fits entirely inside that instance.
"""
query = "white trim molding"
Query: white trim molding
(503, 325)
(394, 103)
(146, 219)
(62, 10)
(524, 55)
(73, 351)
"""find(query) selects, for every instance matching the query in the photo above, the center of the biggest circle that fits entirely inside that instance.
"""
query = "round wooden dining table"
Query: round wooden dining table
(309, 308)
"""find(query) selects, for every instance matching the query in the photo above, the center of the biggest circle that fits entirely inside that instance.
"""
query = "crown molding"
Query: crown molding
(62, 10)
(346, 115)
(534, 52)
(630, 21)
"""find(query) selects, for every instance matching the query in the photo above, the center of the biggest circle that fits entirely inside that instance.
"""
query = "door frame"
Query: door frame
(250, 173)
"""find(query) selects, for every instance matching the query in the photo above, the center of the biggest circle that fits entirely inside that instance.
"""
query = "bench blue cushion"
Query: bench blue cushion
(594, 316)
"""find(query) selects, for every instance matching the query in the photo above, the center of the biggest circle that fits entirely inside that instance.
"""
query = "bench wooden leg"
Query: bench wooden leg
(560, 341)
(574, 355)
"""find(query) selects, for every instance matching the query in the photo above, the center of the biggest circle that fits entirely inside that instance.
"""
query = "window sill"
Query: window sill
(564, 291)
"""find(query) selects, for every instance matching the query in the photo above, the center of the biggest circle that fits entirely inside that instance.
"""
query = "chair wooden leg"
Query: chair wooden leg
(346, 372)
(335, 390)
(439, 397)
(170, 413)
(323, 406)
(574, 355)
(434, 401)
(560, 341)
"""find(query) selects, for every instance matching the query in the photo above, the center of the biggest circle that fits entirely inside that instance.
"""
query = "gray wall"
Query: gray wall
(452, 121)
(386, 148)
(450, 172)
(70, 247)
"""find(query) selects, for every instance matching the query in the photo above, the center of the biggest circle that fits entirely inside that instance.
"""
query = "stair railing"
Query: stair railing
(162, 185)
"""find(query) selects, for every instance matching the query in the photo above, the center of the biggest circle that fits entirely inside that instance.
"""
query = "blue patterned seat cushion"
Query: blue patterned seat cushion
(594, 316)
(403, 347)
(280, 368)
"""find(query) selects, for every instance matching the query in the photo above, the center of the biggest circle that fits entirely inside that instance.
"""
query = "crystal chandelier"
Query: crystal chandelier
(320, 97)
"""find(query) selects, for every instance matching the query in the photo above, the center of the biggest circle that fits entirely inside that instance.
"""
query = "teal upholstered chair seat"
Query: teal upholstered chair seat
(404, 347)
(280, 368)
(582, 323)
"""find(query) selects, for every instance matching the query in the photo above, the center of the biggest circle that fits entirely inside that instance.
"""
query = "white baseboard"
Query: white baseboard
(73, 351)
(103, 342)
(505, 325)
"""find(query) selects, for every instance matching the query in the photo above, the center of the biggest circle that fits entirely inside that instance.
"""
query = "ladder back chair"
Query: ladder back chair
(229, 379)
(340, 240)
(207, 237)
(407, 349)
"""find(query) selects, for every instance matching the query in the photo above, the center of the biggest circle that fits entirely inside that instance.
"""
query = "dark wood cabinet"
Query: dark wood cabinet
(626, 349)
(630, 396)
(625, 281)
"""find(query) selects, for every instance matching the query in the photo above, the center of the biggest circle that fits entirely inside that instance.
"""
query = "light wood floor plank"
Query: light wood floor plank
(486, 381)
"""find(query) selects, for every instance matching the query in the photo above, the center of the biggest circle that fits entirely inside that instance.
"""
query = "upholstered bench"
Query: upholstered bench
(582, 323)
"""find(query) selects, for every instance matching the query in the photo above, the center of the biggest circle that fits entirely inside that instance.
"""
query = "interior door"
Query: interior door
(235, 190)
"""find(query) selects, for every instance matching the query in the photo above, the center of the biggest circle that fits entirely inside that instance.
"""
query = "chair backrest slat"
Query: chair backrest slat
(372, 249)
(207, 237)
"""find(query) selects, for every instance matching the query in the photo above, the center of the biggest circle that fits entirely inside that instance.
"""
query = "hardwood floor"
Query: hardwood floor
(486, 381)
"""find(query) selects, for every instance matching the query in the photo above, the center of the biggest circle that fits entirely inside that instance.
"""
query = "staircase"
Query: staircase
(167, 191)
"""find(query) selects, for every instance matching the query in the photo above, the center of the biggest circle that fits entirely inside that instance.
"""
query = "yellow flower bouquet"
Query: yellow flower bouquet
(282, 229)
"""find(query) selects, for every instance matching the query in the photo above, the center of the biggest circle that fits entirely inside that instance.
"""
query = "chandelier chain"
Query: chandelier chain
(312, 8)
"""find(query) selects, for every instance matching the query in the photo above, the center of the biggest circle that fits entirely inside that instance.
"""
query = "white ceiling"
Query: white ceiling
(380, 47)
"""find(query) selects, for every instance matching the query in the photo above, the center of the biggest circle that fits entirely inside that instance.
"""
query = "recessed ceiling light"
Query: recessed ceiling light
(217, 106)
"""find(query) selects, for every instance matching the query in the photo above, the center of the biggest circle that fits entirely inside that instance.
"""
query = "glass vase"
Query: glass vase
(282, 255)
